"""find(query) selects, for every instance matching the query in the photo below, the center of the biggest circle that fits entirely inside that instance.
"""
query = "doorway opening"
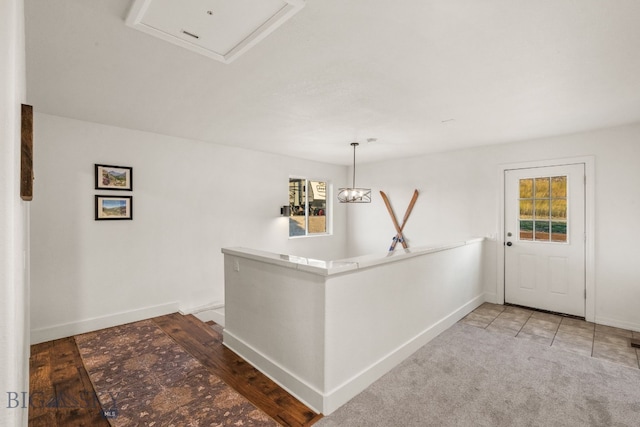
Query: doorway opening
(546, 246)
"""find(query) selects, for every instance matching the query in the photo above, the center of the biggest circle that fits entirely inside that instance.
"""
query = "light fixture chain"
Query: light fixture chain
(355, 144)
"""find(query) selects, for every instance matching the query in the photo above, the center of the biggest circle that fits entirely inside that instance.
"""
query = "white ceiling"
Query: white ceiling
(421, 76)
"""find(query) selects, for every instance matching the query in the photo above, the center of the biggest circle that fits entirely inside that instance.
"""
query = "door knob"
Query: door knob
(509, 243)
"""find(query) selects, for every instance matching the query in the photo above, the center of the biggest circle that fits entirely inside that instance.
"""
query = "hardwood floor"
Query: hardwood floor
(60, 391)
(62, 394)
(205, 344)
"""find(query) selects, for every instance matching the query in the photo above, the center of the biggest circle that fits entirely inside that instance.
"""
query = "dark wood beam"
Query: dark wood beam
(26, 154)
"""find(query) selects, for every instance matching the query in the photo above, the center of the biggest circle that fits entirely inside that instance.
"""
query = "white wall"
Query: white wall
(325, 333)
(14, 281)
(190, 199)
(460, 198)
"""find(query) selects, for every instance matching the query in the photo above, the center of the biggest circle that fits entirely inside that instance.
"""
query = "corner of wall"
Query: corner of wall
(14, 285)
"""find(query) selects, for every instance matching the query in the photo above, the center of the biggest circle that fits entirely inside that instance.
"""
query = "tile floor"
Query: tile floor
(586, 338)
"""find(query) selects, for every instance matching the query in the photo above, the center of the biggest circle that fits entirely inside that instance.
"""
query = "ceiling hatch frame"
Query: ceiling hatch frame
(140, 8)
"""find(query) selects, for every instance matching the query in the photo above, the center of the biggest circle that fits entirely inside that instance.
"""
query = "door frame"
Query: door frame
(589, 170)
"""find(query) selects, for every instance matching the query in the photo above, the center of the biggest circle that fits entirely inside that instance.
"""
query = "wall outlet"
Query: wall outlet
(236, 265)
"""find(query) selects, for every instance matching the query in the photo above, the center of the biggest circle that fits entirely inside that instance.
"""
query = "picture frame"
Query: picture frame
(109, 208)
(110, 177)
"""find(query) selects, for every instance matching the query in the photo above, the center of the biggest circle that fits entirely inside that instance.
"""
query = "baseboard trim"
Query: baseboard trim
(343, 393)
(616, 323)
(327, 402)
(206, 307)
(491, 297)
(88, 325)
(299, 388)
(213, 311)
(216, 315)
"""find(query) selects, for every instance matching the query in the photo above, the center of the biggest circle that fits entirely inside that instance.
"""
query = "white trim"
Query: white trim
(589, 170)
(216, 315)
(302, 390)
(341, 394)
(622, 324)
(74, 328)
(491, 297)
(329, 401)
(213, 311)
(199, 309)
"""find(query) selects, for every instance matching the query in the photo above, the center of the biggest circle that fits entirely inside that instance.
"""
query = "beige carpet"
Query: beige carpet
(143, 378)
(470, 377)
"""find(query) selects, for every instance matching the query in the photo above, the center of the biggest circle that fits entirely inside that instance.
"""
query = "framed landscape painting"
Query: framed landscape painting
(114, 207)
(114, 177)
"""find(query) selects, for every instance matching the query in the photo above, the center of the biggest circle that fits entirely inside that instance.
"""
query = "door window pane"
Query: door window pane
(526, 230)
(526, 209)
(542, 209)
(526, 188)
(542, 188)
(558, 231)
(541, 230)
(558, 186)
(559, 209)
(543, 200)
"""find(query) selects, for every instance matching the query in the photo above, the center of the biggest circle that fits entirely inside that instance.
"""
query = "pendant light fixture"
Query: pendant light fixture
(354, 194)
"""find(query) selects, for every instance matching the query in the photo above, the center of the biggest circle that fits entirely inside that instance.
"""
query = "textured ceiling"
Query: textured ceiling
(421, 76)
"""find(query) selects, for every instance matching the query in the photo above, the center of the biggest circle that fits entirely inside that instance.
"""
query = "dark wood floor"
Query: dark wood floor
(59, 387)
(62, 394)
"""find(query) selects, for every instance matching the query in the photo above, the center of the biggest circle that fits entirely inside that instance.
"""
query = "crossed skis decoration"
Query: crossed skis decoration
(399, 237)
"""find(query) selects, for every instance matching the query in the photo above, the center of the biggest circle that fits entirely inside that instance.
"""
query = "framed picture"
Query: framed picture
(114, 178)
(114, 207)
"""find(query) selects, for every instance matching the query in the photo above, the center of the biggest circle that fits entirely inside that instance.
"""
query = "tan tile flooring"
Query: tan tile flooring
(586, 338)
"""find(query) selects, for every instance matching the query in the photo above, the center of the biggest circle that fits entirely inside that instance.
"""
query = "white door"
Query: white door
(545, 238)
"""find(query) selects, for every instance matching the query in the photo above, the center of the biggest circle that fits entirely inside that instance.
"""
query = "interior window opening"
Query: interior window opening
(308, 207)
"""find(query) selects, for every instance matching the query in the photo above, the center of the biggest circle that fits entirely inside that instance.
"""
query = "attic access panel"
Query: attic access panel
(219, 29)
